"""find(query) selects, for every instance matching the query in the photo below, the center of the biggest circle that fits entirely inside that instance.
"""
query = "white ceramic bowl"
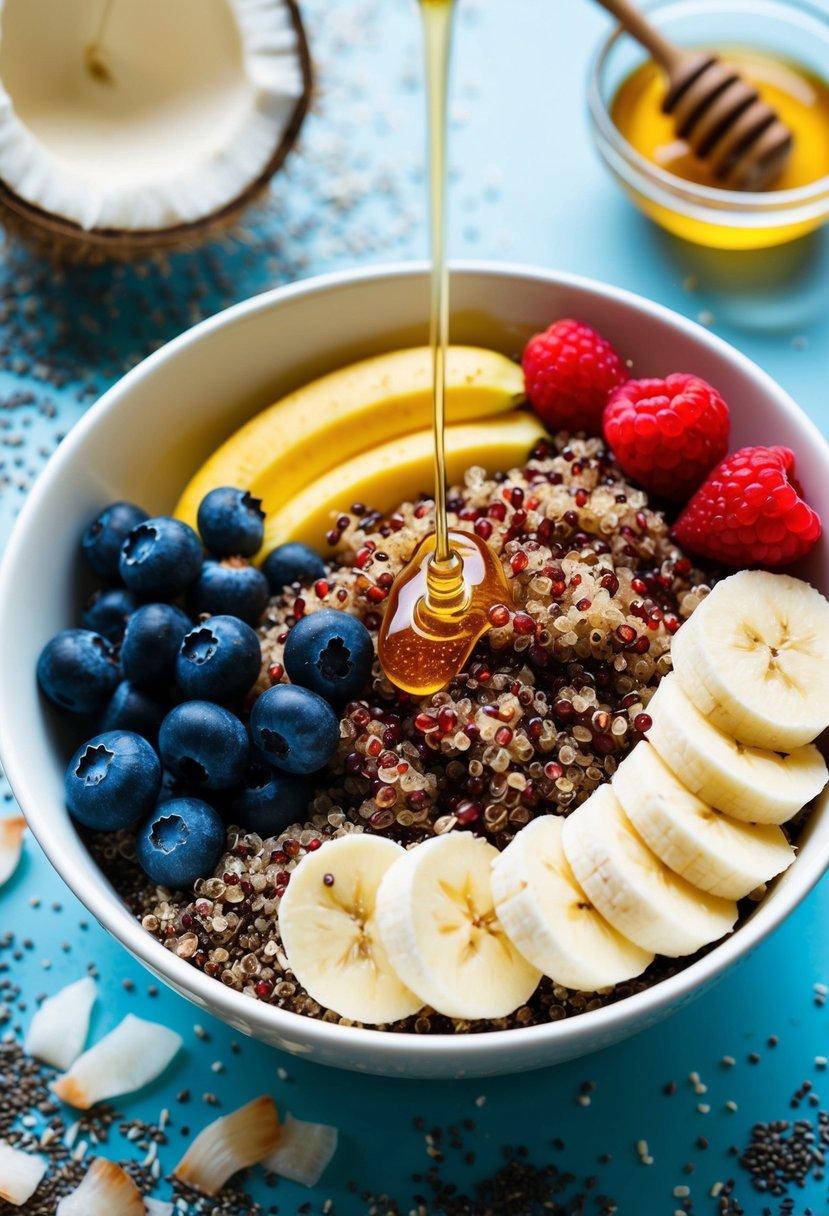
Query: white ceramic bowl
(147, 435)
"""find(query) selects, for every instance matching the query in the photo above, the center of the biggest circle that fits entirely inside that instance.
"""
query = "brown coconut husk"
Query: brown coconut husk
(63, 240)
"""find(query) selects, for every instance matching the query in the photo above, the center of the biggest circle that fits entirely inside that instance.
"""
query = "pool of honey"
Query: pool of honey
(800, 98)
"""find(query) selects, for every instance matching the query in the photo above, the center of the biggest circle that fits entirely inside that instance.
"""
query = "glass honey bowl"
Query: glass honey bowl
(782, 46)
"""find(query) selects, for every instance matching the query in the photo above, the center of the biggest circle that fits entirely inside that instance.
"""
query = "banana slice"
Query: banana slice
(720, 855)
(327, 919)
(549, 918)
(438, 924)
(754, 659)
(749, 783)
(633, 889)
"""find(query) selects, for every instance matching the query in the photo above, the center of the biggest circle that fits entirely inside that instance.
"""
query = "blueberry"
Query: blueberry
(151, 643)
(132, 708)
(102, 540)
(294, 729)
(160, 558)
(181, 841)
(231, 522)
(205, 744)
(267, 802)
(106, 612)
(218, 660)
(233, 587)
(78, 670)
(331, 653)
(112, 780)
(292, 562)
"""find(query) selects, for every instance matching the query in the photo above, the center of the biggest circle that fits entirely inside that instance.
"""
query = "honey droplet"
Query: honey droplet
(437, 611)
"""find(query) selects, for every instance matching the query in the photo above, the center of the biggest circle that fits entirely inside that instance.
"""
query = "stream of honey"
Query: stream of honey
(438, 605)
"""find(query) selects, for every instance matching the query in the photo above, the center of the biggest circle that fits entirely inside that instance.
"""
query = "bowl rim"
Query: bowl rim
(767, 206)
(585, 1031)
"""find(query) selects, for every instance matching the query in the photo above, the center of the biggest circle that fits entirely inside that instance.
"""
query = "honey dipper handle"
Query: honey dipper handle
(663, 51)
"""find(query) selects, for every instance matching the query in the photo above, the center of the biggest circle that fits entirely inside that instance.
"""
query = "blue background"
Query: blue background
(525, 186)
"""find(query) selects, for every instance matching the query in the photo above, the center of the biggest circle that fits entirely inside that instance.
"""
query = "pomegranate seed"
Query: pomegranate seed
(276, 671)
(376, 595)
(519, 561)
(497, 511)
(643, 722)
(263, 988)
(321, 587)
(299, 607)
(626, 633)
(374, 746)
(313, 845)
(581, 498)
(503, 737)
(333, 537)
(583, 605)
(483, 528)
(425, 723)
(447, 719)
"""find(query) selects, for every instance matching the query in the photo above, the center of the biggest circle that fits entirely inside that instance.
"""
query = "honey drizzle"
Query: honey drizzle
(438, 605)
(437, 17)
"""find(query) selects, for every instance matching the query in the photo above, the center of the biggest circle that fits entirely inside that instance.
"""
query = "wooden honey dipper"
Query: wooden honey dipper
(720, 115)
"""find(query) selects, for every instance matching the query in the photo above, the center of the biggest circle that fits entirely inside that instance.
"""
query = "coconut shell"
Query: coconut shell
(63, 240)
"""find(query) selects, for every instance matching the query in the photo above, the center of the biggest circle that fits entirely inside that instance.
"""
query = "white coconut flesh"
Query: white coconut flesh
(190, 107)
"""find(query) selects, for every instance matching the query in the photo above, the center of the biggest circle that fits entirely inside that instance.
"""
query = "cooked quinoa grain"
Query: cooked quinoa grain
(554, 696)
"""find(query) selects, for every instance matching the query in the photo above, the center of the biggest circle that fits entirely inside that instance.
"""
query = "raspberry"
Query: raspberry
(569, 372)
(749, 512)
(667, 434)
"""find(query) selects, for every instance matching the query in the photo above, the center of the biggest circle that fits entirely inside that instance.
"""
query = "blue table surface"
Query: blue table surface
(526, 186)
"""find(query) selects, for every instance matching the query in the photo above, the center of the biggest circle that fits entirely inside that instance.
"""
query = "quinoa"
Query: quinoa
(554, 696)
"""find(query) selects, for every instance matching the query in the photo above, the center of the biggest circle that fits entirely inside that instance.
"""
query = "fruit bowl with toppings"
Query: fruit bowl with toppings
(310, 795)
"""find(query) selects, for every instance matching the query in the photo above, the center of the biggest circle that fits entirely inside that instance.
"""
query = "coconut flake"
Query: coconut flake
(303, 1152)
(129, 1057)
(58, 1030)
(156, 1207)
(11, 845)
(228, 1144)
(104, 1190)
(20, 1174)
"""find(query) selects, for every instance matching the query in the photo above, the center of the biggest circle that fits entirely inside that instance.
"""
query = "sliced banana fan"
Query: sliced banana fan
(231, 1143)
(303, 1152)
(58, 1030)
(20, 1174)
(129, 1057)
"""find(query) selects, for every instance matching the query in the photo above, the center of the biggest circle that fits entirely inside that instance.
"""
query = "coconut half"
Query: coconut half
(128, 1058)
(130, 125)
(58, 1030)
